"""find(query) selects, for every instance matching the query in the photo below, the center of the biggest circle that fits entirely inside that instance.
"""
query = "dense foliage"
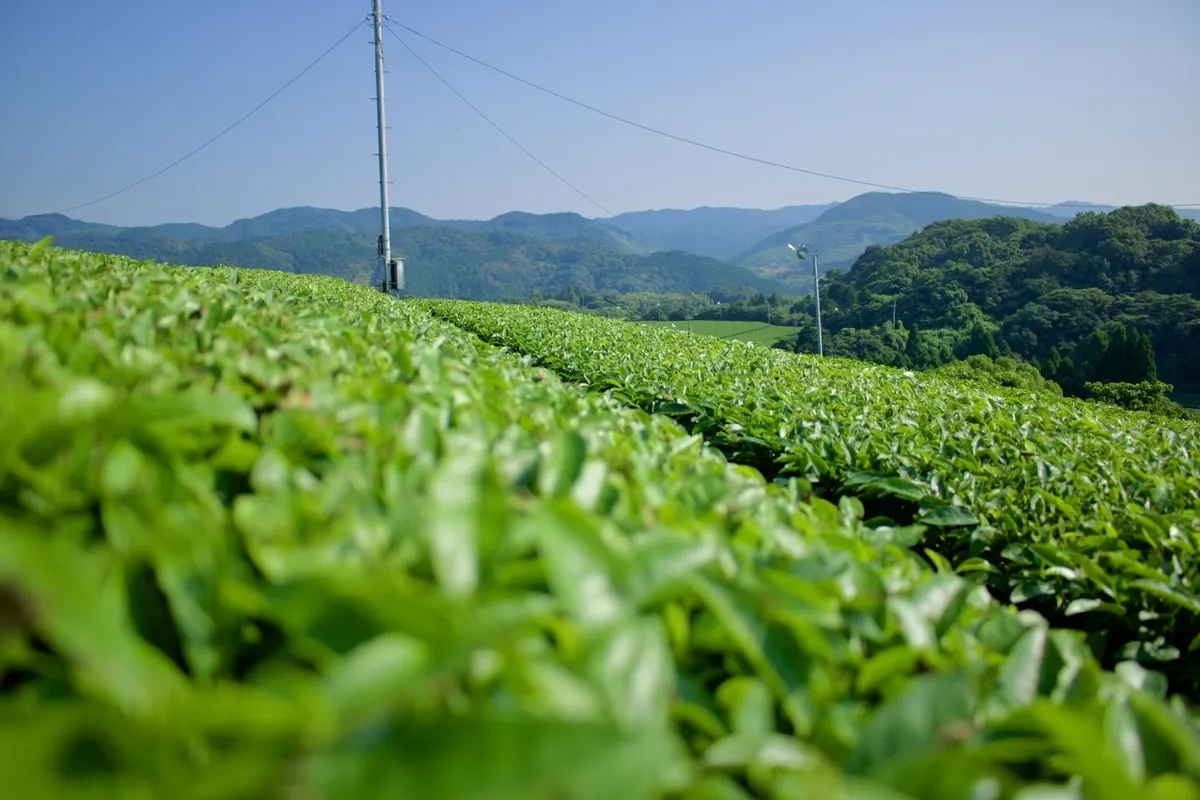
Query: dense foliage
(999, 371)
(1039, 288)
(265, 535)
(1152, 397)
(1085, 513)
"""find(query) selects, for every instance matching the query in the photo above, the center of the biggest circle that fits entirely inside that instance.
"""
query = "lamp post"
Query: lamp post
(801, 252)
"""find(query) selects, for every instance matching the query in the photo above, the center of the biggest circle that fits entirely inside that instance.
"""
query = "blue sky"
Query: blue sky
(1040, 100)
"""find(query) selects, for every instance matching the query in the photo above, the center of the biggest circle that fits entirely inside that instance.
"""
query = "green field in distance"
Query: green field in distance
(747, 331)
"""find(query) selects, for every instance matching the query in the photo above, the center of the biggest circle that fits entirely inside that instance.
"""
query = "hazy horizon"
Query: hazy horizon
(82, 217)
(1074, 101)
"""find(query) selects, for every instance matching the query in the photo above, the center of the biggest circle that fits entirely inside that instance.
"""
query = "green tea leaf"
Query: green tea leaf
(913, 722)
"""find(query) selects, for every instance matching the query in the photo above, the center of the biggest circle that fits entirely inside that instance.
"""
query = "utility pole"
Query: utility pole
(817, 293)
(893, 313)
(393, 271)
(801, 252)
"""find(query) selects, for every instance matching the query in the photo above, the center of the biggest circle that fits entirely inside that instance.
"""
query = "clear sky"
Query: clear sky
(1040, 100)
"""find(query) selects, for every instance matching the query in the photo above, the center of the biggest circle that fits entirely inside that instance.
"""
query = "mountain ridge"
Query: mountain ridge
(843, 233)
(728, 233)
(562, 248)
(717, 231)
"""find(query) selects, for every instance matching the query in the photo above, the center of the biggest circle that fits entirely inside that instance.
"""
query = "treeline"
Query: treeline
(1037, 288)
(741, 305)
(1115, 364)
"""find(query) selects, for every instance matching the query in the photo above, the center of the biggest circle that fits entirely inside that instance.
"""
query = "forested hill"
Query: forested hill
(497, 265)
(443, 261)
(1037, 286)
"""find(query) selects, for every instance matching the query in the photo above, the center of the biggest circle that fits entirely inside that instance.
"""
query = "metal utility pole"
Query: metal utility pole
(393, 271)
(801, 252)
(817, 292)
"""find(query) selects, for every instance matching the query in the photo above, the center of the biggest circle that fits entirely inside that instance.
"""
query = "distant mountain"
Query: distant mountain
(281, 222)
(301, 219)
(492, 260)
(605, 253)
(558, 228)
(841, 234)
(501, 265)
(717, 232)
(42, 225)
(1071, 208)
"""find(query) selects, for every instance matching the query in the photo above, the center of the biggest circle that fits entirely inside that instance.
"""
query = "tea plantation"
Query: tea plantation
(269, 535)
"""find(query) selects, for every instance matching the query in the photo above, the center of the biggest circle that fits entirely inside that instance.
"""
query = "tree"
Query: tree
(1090, 361)
(805, 340)
(1058, 369)
(1003, 371)
(981, 342)
(1118, 354)
(1151, 396)
(1137, 363)
(912, 347)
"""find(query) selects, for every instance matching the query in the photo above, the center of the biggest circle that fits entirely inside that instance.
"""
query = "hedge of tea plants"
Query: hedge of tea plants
(1086, 513)
(268, 535)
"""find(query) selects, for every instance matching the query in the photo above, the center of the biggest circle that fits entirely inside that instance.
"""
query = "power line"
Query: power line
(249, 114)
(722, 150)
(488, 120)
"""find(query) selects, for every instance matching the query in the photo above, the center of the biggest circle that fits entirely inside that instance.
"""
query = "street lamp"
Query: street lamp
(801, 252)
